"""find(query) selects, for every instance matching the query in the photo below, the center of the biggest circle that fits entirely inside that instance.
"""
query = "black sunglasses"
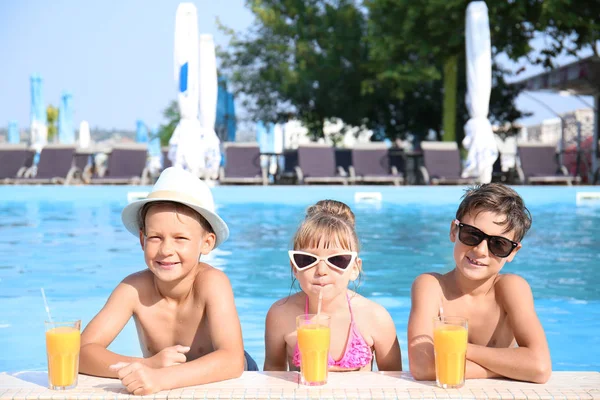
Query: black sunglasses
(498, 245)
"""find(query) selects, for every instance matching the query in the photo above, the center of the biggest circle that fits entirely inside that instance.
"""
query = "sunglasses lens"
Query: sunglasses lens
(341, 261)
(303, 260)
(500, 246)
(470, 236)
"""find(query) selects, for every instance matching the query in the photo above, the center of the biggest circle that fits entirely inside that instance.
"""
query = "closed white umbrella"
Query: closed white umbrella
(479, 137)
(208, 85)
(278, 138)
(185, 146)
(84, 134)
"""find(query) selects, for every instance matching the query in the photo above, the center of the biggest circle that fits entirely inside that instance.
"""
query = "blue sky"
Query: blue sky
(116, 57)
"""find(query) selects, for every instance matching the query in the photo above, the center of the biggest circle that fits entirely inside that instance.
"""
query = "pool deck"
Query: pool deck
(349, 385)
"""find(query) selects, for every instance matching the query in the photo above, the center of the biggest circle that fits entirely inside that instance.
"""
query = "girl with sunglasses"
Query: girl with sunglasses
(324, 260)
(506, 338)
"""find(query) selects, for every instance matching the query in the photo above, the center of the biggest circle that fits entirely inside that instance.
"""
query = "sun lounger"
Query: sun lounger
(343, 158)
(55, 165)
(126, 166)
(290, 162)
(316, 164)
(442, 164)
(15, 159)
(538, 164)
(371, 164)
(242, 165)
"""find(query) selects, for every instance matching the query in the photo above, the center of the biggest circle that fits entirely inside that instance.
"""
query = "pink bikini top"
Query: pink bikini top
(357, 353)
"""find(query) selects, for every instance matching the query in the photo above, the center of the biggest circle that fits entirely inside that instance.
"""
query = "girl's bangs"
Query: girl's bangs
(316, 234)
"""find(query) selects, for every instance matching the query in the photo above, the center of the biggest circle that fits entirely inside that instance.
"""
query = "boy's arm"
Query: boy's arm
(95, 359)
(425, 297)
(531, 360)
(387, 348)
(425, 302)
(275, 346)
(227, 359)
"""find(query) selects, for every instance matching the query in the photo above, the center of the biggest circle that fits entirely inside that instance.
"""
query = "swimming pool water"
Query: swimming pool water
(70, 241)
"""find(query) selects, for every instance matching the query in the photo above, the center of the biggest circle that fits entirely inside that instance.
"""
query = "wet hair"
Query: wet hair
(328, 223)
(498, 199)
(179, 208)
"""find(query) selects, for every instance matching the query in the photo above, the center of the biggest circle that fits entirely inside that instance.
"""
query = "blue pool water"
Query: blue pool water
(70, 241)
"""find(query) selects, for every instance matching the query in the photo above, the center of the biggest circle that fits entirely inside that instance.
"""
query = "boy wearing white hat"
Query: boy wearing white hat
(183, 308)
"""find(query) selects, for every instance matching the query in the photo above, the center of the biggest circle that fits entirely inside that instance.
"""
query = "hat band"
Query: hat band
(175, 196)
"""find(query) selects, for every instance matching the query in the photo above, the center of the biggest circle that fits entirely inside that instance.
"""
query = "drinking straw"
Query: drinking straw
(46, 305)
(319, 304)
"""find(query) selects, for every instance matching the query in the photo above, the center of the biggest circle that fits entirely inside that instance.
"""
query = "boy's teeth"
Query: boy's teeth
(475, 262)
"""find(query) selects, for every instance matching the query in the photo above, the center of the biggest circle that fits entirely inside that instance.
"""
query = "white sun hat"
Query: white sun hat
(180, 186)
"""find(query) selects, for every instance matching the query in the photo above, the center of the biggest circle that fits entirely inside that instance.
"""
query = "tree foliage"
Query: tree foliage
(301, 57)
(52, 121)
(379, 63)
(172, 115)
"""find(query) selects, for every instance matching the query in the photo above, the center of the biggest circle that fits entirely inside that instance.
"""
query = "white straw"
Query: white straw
(46, 305)
(319, 304)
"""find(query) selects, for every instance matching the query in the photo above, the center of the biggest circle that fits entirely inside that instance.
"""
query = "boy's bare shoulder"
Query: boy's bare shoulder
(133, 289)
(511, 286)
(211, 279)
(141, 282)
(429, 281)
(139, 278)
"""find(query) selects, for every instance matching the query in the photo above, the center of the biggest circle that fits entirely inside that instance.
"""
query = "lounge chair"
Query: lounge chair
(55, 166)
(316, 164)
(538, 164)
(343, 158)
(83, 162)
(126, 166)
(242, 165)
(15, 159)
(371, 164)
(290, 162)
(442, 164)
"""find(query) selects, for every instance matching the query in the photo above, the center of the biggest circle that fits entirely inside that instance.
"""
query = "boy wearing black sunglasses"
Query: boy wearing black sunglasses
(506, 338)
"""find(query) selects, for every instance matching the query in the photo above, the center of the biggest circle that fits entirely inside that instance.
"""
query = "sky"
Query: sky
(116, 58)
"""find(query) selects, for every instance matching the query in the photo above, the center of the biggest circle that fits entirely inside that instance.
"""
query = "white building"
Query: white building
(549, 131)
(335, 133)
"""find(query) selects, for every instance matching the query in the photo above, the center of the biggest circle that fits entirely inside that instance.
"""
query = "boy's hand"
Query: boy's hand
(139, 379)
(172, 355)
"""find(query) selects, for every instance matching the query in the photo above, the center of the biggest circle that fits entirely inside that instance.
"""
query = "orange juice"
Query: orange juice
(450, 345)
(313, 342)
(62, 348)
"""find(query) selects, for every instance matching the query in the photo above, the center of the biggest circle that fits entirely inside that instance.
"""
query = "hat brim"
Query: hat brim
(130, 213)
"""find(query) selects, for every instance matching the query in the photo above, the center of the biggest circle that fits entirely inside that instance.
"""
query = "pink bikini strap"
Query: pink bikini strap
(350, 308)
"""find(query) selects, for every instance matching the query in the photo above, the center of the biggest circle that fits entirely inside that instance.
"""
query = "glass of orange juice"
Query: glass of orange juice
(62, 348)
(450, 337)
(313, 342)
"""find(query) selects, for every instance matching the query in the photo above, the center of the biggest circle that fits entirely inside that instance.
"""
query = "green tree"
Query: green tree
(392, 65)
(415, 45)
(302, 59)
(51, 121)
(172, 115)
